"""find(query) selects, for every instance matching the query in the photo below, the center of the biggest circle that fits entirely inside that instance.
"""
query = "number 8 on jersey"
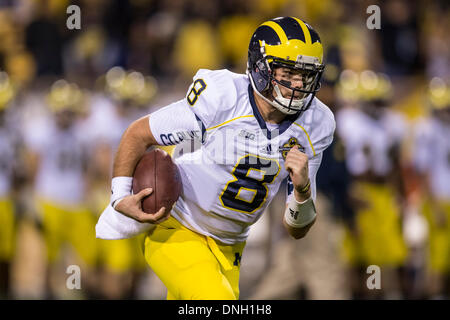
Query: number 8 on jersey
(251, 174)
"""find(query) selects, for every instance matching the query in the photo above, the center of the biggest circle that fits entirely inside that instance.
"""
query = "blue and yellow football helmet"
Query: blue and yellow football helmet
(285, 42)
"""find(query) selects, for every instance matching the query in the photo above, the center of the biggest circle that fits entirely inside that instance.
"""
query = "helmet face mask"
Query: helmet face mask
(280, 44)
(297, 96)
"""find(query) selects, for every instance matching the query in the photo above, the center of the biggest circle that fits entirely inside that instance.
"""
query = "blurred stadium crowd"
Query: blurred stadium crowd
(66, 96)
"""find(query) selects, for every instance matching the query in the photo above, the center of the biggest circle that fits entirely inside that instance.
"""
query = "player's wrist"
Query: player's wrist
(304, 188)
(304, 192)
(299, 214)
(120, 188)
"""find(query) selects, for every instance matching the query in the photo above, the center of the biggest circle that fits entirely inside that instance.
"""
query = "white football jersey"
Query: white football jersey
(432, 154)
(368, 141)
(102, 117)
(60, 176)
(231, 161)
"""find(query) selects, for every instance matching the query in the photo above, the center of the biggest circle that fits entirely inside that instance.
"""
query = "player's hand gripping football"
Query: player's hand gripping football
(296, 164)
(131, 206)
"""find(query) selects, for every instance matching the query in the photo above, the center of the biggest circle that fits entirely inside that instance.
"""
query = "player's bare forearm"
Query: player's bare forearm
(135, 141)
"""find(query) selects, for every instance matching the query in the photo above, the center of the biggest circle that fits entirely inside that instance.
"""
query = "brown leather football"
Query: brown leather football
(157, 170)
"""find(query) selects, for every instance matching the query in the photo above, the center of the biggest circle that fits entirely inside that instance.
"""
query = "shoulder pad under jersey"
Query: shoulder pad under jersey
(323, 126)
(211, 93)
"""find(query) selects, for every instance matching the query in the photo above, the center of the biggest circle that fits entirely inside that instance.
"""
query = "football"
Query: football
(157, 170)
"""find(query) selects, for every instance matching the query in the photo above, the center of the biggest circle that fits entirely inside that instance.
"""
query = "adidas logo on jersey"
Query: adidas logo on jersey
(267, 149)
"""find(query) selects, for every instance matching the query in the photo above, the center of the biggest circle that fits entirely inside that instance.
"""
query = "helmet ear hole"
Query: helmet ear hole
(261, 65)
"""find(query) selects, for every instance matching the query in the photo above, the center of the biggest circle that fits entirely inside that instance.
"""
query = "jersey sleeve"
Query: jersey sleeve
(175, 123)
(211, 94)
(323, 132)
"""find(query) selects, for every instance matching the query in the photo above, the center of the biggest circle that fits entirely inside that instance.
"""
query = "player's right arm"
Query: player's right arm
(167, 126)
(185, 119)
(136, 139)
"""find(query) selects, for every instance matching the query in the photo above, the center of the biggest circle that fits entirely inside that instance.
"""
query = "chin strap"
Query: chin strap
(283, 102)
(276, 104)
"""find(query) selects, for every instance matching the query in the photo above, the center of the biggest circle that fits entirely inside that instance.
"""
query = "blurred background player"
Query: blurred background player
(122, 98)
(9, 144)
(372, 135)
(58, 158)
(431, 158)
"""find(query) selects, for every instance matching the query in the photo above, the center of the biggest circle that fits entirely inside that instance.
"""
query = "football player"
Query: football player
(120, 261)
(372, 135)
(432, 162)
(255, 131)
(57, 155)
(8, 152)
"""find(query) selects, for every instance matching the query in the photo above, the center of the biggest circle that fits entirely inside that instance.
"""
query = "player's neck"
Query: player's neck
(267, 111)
